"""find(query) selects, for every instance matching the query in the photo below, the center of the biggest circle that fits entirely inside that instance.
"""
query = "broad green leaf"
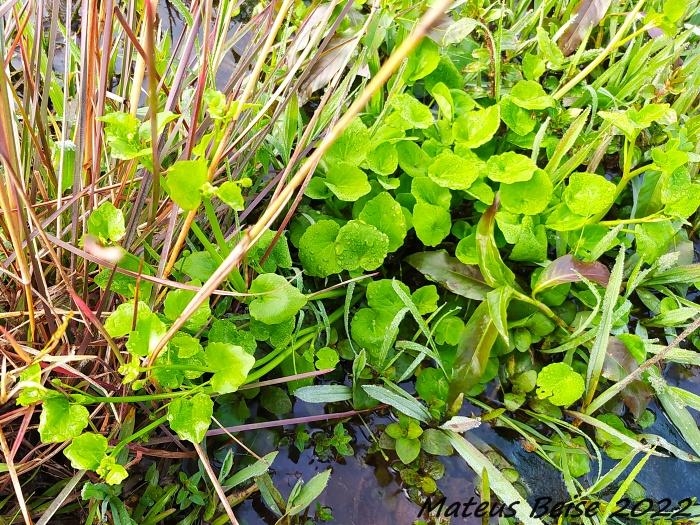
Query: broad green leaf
(435, 442)
(412, 159)
(190, 417)
(360, 245)
(498, 301)
(452, 171)
(347, 182)
(120, 321)
(279, 255)
(251, 471)
(459, 278)
(122, 284)
(529, 94)
(432, 386)
(275, 400)
(60, 420)
(407, 449)
(175, 303)
(317, 249)
(425, 190)
(324, 393)
(86, 451)
(182, 359)
(385, 214)
(589, 194)
(308, 493)
(382, 296)
(106, 222)
(199, 265)
(510, 167)
(473, 352)
(492, 267)
(426, 299)
(352, 147)
(383, 159)
(548, 50)
(443, 97)
(230, 364)
(230, 193)
(122, 135)
(112, 472)
(277, 300)
(529, 197)
(369, 328)
(559, 384)
(519, 120)
(401, 402)
(533, 66)
(422, 61)
(529, 239)
(499, 484)
(416, 114)
(477, 127)
(184, 180)
(144, 338)
(224, 331)
(432, 223)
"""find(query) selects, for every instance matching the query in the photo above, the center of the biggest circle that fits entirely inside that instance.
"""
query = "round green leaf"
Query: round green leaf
(385, 214)
(347, 182)
(529, 94)
(432, 223)
(60, 420)
(185, 177)
(86, 451)
(361, 245)
(529, 197)
(477, 127)
(190, 417)
(407, 449)
(588, 194)
(230, 364)
(106, 223)
(510, 167)
(452, 171)
(560, 384)
(278, 300)
(317, 249)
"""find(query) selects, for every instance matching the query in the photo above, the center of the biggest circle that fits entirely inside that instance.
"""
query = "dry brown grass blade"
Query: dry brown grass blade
(9, 462)
(215, 482)
(277, 205)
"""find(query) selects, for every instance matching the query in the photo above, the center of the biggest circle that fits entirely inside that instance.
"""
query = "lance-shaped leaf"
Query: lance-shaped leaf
(587, 14)
(566, 269)
(462, 279)
(473, 351)
(494, 270)
(498, 301)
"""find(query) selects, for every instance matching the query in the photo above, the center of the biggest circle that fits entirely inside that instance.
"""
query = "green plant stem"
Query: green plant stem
(86, 399)
(215, 226)
(136, 435)
(616, 41)
(543, 308)
(279, 358)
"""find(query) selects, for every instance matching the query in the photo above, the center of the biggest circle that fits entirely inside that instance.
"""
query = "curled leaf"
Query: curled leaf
(566, 269)
(587, 14)
(462, 279)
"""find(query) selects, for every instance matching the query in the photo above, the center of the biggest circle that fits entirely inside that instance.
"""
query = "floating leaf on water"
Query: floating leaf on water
(461, 424)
